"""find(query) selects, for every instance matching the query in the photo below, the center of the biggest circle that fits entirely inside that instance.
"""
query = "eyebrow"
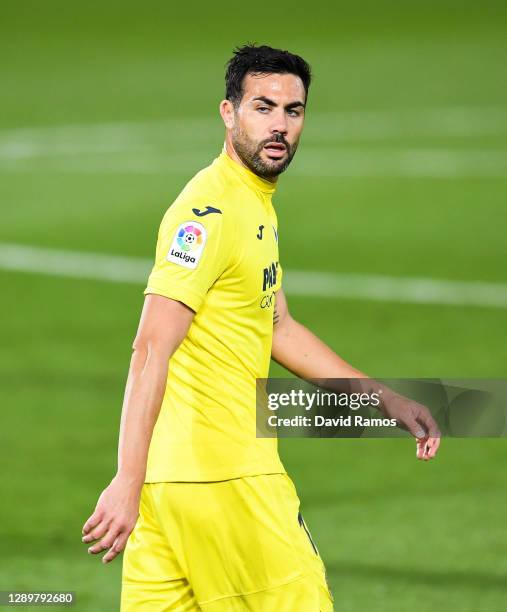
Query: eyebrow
(270, 102)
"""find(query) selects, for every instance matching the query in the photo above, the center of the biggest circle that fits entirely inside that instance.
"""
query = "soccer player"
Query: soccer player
(207, 513)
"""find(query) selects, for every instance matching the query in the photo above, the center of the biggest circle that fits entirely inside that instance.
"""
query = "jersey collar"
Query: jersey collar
(246, 175)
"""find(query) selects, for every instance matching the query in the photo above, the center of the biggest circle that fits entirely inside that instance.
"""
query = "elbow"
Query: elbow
(144, 349)
(148, 349)
(282, 326)
(277, 351)
(140, 345)
(281, 335)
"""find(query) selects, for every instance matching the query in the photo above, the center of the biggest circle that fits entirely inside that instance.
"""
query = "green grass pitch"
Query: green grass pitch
(106, 109)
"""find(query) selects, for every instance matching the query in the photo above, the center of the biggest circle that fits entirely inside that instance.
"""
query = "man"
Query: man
(213, 518)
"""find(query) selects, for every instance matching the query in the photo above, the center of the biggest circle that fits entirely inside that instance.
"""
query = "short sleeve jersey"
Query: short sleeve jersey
(217, 252)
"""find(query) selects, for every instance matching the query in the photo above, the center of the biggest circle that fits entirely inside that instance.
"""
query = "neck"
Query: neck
(231, 152)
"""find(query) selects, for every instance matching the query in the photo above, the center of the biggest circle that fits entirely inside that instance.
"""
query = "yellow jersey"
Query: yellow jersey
(217, 252)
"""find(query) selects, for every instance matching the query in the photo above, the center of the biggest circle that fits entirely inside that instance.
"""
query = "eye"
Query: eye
(293, 113)
(262, 109)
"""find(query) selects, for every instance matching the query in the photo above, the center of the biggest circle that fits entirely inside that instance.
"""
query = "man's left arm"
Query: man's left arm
(297, 349)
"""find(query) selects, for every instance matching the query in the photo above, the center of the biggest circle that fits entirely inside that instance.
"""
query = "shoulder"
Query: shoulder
(205, 199)
(210, 183)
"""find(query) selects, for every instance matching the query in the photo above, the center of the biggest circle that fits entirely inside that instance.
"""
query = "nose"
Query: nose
(279, 123)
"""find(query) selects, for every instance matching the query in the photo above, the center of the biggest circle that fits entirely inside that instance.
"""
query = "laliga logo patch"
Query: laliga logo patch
(188, 244)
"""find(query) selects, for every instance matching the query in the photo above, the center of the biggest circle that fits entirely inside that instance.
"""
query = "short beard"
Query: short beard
(250, 154)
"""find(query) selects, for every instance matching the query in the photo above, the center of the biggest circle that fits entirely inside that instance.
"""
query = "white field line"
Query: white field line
(135, 270)
(74, 264)
(351, 124)
(168, 146)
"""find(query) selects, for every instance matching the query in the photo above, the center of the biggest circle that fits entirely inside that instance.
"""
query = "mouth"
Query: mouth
(275, 150)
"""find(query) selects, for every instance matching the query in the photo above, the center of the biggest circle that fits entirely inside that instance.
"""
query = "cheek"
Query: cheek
(254, 124)
(297, 127)
(295, 132)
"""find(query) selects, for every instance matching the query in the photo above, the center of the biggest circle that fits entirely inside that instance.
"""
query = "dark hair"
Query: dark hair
(250, 59)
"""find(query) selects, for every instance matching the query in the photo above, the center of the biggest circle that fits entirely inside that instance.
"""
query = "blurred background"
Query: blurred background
(106, 110)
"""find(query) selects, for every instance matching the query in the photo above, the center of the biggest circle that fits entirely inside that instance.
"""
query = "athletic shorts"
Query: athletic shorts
(230, 546)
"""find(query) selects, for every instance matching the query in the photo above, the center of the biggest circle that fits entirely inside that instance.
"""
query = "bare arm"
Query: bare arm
(164, 324)
(299, 350)
(296, 348)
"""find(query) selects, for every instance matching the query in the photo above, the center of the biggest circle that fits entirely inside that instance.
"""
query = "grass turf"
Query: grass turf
(395, 534)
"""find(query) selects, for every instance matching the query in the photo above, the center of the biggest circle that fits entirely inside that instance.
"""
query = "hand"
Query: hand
(416, 419)
(114, 518)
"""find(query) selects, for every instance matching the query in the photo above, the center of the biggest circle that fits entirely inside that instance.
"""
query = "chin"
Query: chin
(276, 163)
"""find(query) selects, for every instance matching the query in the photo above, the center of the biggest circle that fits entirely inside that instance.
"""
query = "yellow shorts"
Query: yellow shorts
(231, 546)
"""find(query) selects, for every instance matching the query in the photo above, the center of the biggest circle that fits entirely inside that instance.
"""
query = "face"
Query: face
(266, 126)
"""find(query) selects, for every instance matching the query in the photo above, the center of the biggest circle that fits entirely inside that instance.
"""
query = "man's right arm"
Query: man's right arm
(164, 324)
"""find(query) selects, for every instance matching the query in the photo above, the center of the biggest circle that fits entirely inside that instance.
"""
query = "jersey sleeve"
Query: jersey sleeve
(192, 252)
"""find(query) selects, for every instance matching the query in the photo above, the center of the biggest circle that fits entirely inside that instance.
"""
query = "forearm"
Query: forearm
(143, 397)
(296, 348)
(164, 324)
(301, 352)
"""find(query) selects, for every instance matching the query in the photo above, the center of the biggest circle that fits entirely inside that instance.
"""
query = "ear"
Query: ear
(227, 113)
